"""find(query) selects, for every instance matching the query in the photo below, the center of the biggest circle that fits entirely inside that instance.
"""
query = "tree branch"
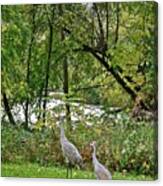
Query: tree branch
(114, 71)
(99, 20)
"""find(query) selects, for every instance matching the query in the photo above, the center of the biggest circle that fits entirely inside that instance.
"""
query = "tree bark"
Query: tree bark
(65, 78)
(28, 67)
(40, 101)
(66, 90)
(7, 109)
(48, 66)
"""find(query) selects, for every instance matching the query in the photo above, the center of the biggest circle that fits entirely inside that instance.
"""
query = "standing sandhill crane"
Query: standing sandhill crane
(69, 150)
(101, 172)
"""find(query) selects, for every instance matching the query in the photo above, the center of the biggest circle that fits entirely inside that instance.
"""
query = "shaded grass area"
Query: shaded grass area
(36, 171)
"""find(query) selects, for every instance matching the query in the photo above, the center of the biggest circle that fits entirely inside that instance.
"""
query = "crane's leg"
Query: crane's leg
(70, 171)
(67, 170)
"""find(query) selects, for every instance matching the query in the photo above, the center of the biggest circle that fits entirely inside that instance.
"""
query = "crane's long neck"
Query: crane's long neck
(94, 155)
(62, 132)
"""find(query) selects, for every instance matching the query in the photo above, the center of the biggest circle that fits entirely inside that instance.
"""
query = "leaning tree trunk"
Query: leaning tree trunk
(116, 74)
(105, 59)
(7, 109)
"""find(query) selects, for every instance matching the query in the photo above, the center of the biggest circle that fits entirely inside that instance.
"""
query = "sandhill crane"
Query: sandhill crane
(101, 172)
(69, 150)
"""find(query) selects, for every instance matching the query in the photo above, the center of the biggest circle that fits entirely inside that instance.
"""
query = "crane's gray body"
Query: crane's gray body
(70, 152)
(100, 170)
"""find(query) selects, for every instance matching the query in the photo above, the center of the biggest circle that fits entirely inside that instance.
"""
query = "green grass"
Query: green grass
(37, 171)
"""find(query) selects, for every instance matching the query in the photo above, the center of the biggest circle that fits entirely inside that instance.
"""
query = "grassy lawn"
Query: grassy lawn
(37, 171)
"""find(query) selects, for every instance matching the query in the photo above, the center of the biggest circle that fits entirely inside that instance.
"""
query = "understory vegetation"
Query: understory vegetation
(124, 147)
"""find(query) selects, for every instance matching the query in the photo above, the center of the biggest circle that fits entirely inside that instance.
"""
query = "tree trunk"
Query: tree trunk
(40, 101)
(7, 109)
(28, 67)
(65, 78)
(47, 70)
(66, 90)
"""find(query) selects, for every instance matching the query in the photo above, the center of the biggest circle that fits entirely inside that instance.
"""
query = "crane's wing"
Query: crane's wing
(102, 173)
(71, 152)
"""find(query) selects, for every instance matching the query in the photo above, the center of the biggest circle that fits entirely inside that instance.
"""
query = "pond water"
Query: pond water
(56, 107)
